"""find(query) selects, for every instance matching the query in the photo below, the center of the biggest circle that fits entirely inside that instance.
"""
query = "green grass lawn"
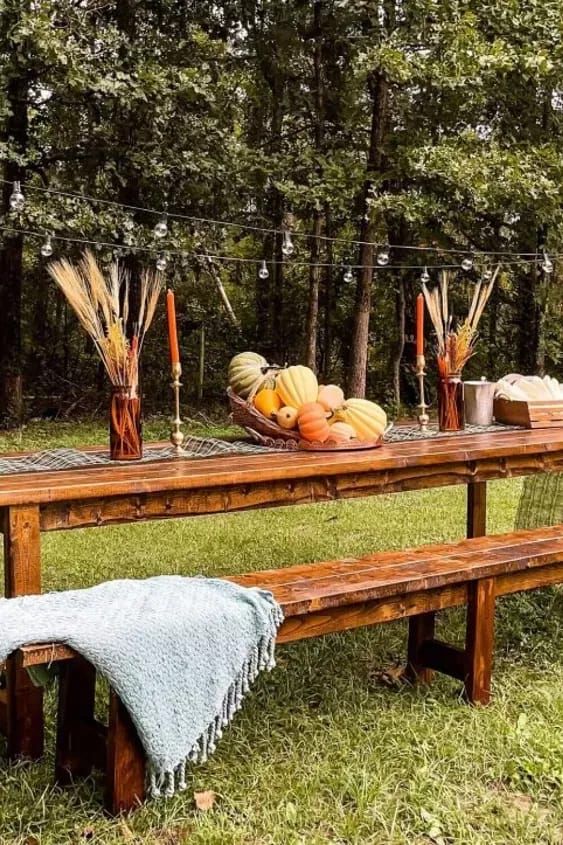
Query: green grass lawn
(323, 751)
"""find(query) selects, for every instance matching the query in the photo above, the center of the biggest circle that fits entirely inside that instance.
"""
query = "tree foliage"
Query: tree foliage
(435, 122)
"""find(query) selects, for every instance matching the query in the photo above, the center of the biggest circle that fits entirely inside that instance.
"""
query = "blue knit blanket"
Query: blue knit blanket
(180, 652)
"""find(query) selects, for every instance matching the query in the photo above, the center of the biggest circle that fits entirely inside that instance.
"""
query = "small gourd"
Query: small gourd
(367, 418)
(312, 422)
(297, 385)
(341, 432)
(286, 417)
(248, 373)
(330, 396)
(268, 402)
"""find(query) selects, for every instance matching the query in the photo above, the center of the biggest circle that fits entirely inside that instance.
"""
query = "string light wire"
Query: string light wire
(210, 257)
(263, 229)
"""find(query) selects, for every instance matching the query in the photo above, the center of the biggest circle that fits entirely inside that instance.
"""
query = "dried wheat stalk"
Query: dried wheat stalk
(102, 306)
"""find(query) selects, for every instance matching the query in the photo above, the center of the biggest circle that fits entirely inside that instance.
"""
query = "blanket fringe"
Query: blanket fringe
(262, 658)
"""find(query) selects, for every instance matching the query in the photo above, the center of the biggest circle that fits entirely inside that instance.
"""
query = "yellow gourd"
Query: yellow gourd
(366, 418)
(267, 402)
(297, 386)
(286, 417)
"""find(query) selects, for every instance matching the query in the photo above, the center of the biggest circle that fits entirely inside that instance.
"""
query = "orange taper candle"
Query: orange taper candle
(172, 329)
(420, 324)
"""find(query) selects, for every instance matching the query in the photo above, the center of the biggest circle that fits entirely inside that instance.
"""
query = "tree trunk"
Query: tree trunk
(315, 253)
(357, 370)
(11, 258)
(328, 303)
(313, 299)
(399, 345)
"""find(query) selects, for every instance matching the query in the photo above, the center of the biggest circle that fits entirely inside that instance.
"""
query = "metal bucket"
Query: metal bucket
(479, 397)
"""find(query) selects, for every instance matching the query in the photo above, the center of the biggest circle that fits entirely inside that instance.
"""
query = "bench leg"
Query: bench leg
(125, 771)
(480, 640)
(23, 711)
(77, 740)
(421, 629)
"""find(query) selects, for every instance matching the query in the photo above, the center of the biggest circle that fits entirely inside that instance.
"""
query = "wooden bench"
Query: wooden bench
(320, 598)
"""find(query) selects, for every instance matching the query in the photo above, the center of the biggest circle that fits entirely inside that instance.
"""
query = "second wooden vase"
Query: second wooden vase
(450, 403)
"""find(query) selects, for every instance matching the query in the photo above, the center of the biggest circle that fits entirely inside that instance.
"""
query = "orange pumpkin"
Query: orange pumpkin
(286, 417)
(330, 396)
(312, 422)
(267, 402)
(341, 432)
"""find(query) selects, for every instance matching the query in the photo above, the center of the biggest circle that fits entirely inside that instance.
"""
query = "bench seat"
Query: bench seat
(313, 595)
(321, 598)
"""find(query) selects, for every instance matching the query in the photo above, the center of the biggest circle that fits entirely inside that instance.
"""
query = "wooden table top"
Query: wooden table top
(540, 449)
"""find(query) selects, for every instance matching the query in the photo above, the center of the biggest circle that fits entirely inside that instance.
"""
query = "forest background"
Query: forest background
(433, 123)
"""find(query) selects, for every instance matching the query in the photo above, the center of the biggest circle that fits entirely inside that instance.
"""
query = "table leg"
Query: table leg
(22, 576)
(477, 509)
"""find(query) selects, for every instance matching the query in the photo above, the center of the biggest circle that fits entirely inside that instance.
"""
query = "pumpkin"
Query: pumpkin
(267, 402)
(341, 432)
(312, 422)
(330, 396)
(367, 418)
(248, 372)
(297, 386)
(286, 417)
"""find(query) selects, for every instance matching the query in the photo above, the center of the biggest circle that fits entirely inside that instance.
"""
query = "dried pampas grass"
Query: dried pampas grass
(455, 347)
(102, 306)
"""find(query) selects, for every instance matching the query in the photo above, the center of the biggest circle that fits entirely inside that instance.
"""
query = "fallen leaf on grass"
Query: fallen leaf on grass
(88, 834)
(393, 676)
(205, 800)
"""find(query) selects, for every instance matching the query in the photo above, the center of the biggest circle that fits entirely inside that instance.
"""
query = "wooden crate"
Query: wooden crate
(543, 413)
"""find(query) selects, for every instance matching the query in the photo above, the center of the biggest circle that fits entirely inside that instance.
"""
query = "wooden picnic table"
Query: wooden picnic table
(34, 502)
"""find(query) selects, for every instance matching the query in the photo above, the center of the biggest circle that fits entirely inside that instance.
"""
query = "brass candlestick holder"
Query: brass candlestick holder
(423, 418)
(176, 434)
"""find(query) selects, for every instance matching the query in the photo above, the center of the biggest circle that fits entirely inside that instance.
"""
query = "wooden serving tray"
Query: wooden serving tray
(539, 413)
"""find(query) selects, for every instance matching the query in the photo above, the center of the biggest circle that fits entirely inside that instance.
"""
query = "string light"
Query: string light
(518, 260)
(263, 272)
(467, 263)
(425, 276)
(161, 229)
(47, 247)
(348, 275)
(287, 245)
(266, 230)
(547, 264)
(17, 199)
(487, 275)
(382, 258)
(161, 262)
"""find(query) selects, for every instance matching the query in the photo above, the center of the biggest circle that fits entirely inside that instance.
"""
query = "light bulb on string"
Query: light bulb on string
(382, 258)
(47, 247)
(487, 275)
(17, 199)
(425, 276)
(547, 264)
(467, 263)
(348, 275)
(161, 262)
(161, 229)
(287, 245)
(263, 272)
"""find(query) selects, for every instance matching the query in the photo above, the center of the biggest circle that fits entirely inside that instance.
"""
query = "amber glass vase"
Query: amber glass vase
(125, 428)
(450, 403)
